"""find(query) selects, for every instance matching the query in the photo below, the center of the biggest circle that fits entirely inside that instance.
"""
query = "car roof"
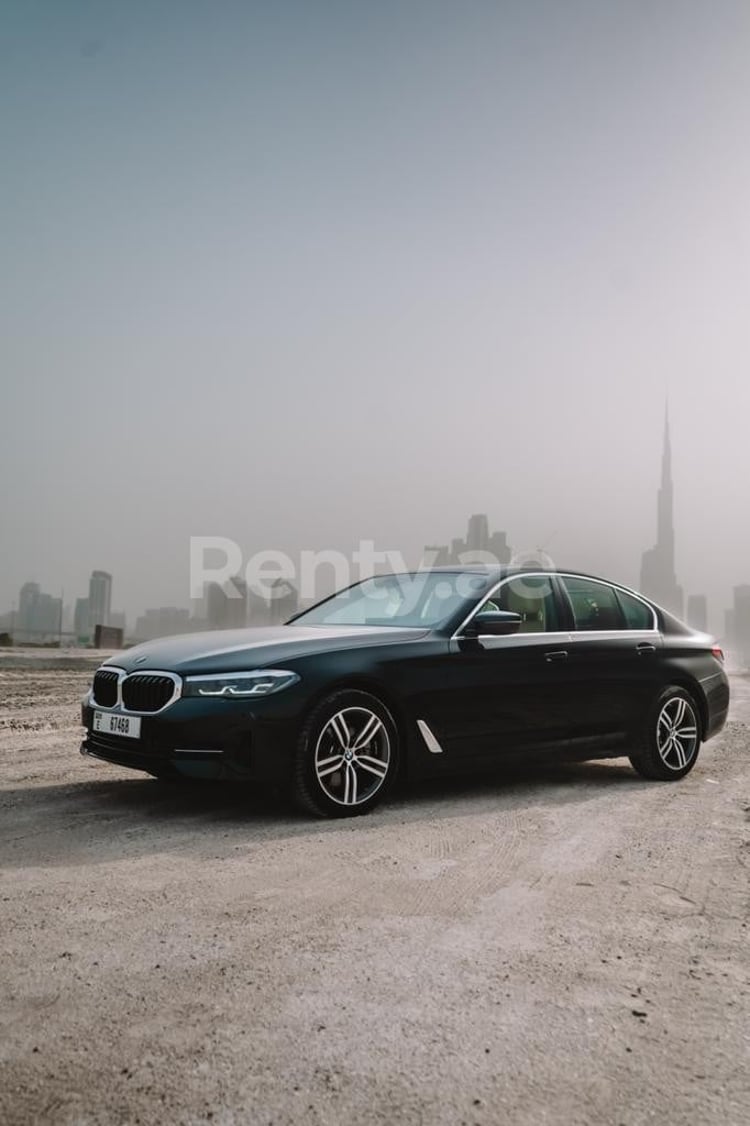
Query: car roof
(501, 571)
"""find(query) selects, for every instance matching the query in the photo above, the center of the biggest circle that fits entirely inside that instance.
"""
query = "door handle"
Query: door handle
(645, 647)
(557, 655)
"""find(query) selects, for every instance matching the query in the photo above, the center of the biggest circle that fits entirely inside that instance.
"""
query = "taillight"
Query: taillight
(718, 652)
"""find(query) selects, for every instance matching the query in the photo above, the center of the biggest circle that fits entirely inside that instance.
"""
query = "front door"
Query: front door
(498, 696)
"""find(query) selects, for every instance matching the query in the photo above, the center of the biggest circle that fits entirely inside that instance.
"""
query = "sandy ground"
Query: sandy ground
(563, 946)
(60, 659)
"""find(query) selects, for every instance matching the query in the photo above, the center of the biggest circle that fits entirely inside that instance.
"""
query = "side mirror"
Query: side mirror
(494, 623)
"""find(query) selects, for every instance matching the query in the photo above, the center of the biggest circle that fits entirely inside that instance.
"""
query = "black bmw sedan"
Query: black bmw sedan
(437, 671)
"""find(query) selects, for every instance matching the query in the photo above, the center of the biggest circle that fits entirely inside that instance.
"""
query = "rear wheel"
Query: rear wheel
(347, 755)
(671, 738)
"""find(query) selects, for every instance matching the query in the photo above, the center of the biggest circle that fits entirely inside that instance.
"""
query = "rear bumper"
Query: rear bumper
(203, 740)
(716, 691)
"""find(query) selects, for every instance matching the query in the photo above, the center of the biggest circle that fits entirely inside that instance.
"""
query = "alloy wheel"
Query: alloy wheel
(677, 733)
(352, 756)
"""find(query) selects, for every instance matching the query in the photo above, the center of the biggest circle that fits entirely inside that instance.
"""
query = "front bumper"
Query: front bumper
(203, 739)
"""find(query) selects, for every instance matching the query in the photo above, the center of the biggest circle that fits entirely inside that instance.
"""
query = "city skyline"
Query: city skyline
(596, 556)
(220, 608)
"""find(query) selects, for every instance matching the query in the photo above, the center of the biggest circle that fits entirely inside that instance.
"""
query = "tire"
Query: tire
(671, 737)
(333, 776)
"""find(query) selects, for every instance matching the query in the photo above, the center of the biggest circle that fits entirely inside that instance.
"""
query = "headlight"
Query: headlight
(240, 685)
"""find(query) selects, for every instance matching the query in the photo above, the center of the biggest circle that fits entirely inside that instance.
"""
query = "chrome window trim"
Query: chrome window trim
(518, 640)
(613, 634)
(458, 635)
(570, 637)
(123, 675)
(557, 635)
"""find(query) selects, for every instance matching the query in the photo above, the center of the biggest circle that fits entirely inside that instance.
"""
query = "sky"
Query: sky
(307, 272)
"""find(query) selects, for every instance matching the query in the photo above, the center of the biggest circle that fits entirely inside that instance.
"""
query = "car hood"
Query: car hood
(231, 650)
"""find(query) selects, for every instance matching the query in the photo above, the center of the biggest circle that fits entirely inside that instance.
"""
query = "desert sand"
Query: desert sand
(562, 945)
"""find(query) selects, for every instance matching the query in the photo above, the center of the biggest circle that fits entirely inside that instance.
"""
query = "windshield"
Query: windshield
(426, 600)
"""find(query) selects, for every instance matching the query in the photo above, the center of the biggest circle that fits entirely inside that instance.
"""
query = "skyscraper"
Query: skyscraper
(658, 578)
(480, 546)
(28, 600)
(226, 605)
(100, 599)
(81, 620)
(478, 533)
(39, 616)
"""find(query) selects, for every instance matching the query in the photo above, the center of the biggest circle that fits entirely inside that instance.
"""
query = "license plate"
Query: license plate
(111, 724)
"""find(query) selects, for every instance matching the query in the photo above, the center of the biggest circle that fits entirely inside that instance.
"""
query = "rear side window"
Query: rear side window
(595, 605)
(637, 614)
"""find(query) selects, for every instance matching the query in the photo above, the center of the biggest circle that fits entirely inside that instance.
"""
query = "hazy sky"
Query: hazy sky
(303, 272)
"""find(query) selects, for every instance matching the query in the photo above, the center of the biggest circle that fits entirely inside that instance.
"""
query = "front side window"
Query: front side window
(533, 598)
(595, 605)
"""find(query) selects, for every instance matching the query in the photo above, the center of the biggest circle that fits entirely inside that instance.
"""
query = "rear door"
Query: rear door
(612, 660)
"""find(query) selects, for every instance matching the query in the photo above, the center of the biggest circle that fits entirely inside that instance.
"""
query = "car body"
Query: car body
(432, 672)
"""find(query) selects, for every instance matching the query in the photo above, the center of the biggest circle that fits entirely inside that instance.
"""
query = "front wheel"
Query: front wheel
(671, 739)
(347, 755)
